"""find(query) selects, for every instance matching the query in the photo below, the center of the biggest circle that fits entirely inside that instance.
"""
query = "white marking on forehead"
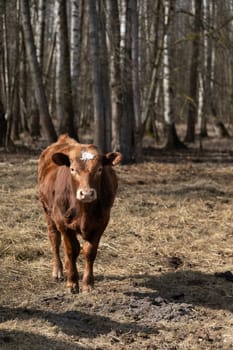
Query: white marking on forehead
(87, 156)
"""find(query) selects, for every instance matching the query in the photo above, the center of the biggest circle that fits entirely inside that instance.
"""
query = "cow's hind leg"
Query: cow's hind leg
(72, 249)
(89, 252)
(55, 240)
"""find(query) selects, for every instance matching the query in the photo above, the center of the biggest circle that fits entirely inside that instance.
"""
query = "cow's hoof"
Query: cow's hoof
(57, 274)
(73, 289)
(59, 278)
(87, 288)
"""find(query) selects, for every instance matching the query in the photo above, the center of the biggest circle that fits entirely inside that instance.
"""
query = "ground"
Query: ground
(164, 265)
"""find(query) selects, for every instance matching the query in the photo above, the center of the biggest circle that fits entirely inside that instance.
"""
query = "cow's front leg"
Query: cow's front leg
(72, 249)
(55, 240)
(89, 252)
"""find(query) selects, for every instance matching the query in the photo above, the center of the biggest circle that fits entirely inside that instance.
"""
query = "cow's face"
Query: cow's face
(86, 167)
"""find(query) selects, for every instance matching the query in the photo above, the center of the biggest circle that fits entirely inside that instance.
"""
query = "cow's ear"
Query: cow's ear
(112, 158)
(61, 159)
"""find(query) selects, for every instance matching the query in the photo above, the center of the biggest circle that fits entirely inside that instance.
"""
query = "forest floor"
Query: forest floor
(164, 266)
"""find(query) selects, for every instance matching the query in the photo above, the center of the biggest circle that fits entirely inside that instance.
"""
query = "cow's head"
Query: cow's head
(86, 165)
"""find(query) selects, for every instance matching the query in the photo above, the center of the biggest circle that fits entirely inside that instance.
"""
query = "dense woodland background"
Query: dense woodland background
(115, 69)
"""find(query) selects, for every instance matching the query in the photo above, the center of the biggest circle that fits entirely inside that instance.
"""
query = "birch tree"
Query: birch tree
(150, 94)
(172, 141)
(123, 65)
(204, 87)
(40, 30)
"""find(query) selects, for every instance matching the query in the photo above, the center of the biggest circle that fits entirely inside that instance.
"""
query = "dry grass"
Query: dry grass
(170, 232)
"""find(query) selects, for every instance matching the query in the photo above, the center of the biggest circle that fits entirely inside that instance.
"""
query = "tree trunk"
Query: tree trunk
(136, 83)
(200, 111)
(193, 97)
(97, 90)
(40, 31)
(204, 84)
(46, 121)
(39, 41)
(104, 71)
(127, 121)
(166, 68)
(150, 94)
(3, 125)
(65, 112)
(172, 140)
(74, 56)
(221, 130)
(6, 79)
(113, 27)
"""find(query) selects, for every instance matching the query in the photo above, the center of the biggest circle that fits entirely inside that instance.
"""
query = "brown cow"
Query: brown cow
(77, 187)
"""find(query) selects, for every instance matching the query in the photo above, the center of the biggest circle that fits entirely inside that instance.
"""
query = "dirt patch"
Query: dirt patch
(164, 265)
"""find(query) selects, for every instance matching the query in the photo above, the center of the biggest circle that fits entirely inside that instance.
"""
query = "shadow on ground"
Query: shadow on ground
(192, 287)
(74, 323)
(171, 296)
(13, 339)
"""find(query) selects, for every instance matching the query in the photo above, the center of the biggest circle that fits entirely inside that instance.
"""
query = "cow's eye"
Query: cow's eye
(74, 171)
(100, 169)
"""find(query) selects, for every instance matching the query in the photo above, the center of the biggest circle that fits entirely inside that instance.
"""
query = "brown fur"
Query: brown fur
(64, 178)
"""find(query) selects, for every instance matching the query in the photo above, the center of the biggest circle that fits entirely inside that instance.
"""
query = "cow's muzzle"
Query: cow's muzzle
(86, 196)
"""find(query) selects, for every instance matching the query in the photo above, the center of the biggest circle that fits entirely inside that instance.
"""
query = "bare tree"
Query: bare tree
(127, 118)
(39, 42)
(121, 66)
(7, 76)
(46, 121)
(97, 90)
(74, 54)
(3, 125)
(40, 30)
(157, 54)
(203, 91)
(113, 27)
(172, 140)
(105, 77)
(65, 112)
(193, 86)
(136, 82)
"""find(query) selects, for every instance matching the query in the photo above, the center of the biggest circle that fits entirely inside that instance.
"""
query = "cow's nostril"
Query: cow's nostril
(80, 194)
(86, 195)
